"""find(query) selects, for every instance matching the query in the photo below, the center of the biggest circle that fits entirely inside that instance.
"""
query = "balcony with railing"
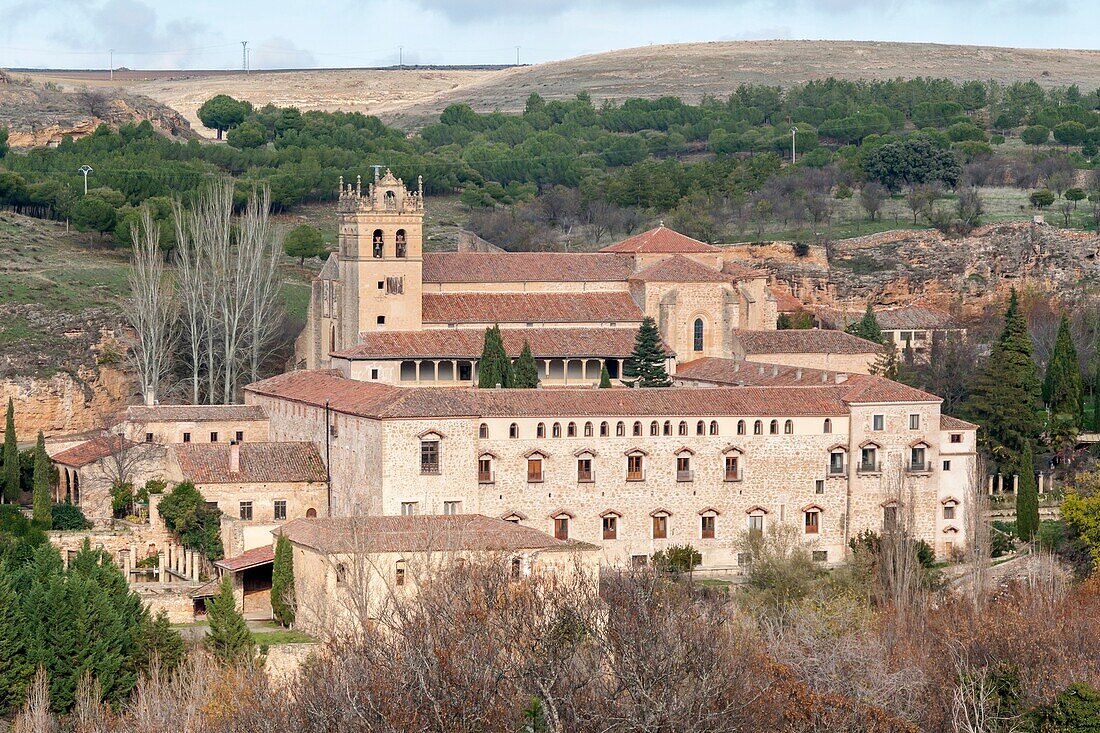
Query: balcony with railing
(534, 476)
(638, 475)
(586, 476)
(837, 469)
(869, 467)
(733, 474)
(486, 477)
(685, 475)
(918, 467)
(429, 468)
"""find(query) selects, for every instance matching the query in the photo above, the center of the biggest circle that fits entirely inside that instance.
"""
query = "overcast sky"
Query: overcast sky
(155, 34)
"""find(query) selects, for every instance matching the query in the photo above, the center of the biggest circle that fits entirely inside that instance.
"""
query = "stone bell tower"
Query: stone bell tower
(381, 264)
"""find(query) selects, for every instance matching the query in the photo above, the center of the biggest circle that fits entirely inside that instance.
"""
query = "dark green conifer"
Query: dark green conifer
(15, 670)
(867, 327)
(1027, 498)
(11, 458)
(646, 365)
(526, 371)
(605, 378)
(1062, 390)
(228, 638)
(282, 582)
(43, 516)
(494, 367)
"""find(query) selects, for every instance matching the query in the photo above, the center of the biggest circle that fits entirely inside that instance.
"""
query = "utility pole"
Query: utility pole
(244, 56)
(85, 169)
(377, 167)
(112, 52)
(517, 55)
(794, 131)
(400, 57)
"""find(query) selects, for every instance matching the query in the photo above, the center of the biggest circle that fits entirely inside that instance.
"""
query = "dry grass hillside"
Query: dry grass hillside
(411, 97)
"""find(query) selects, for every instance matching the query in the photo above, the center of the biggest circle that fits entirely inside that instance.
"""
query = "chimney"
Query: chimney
(798, 375)
(824, 377)
(775, 370)
(150, 397)
(737, 367)
(760, 369)
(234, 457)
(841, 378)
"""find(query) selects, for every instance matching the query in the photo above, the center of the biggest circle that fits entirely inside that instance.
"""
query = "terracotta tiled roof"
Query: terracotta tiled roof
(804, 341)
(680, 269)
(715, 370)
(589, 307)
(661, 239)
(496, 267)
(193, 413)
(92, 450)
(419, 533)
(376, 400)
(953, 423)
(740, 272)
(208, 463)
(917, 316)
(865, 388)
(785, 301)
(467, 343)
(248, 559)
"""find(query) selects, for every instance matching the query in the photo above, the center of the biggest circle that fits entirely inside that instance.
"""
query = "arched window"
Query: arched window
(555, 431)
(654, 428)
(588, 430)
(740, 427)
(605, 430)
(788, 427)
(620, 429)
(571, 430)
(700, 428)
(540, 430)
(773, 427)
(391, 200)
(376, 242)
(714, 427)
(828, 427)
(637, 428)
(513, 431)
(400, 242)
(483, 431)
(668, 427)
(697, 336)
(758, 428)
(683, 429)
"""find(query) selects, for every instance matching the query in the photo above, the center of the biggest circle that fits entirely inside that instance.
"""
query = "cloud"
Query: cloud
(281, 53)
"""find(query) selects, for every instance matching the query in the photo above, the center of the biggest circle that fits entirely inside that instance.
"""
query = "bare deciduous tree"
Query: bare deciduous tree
(151, 309)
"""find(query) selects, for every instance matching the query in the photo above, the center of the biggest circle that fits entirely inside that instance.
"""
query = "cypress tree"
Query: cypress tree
(646, 365)
(1027, 498)
(527, 372)
(15, 670)
(228, 639)
(11, 458)
(282, 582)
(43, 516)
(1006, 390)
(1062, 390)
(1096, 396)
(605, 378)
(494, 367)
(867, 327)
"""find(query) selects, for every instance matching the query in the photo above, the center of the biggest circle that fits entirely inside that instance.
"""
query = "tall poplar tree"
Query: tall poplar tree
(11, 457)
(1027, 498)
(42, 484)
(646, 365)
(494, 367)
(1062, 389)
(282, 582)
(228, 639)
(526, 370)
(1006, 391)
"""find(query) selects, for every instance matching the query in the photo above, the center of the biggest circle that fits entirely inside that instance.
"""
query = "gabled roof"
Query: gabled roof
(717, 370)
(804, 341)
(953, 423)
(331, 269)
(193, 413)
(495, 267)
(467, 343)
(282, 462)
(419, 533)
(90, 451)
(786, 302)
(660, 240)
(919, 315)
(587, 307)
(867, 388)
(248, 559)
(680, 269)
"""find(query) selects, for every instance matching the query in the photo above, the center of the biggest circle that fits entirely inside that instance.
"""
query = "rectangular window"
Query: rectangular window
(660, 527)
(819, 486)
(246, 511)
(584, 470)
(706, 527)
(429, 456)
(744, 559)
(836, 463)
(683, 468)
(947, 465)
(148, 437)
(914, 422)
(812, 522)
(374, 374)
(280, 509)
(410, 508)
(756, 523)
(634, 471)
(213, 437)
(916, 460)
(534, 470)
(451, 508)
(485, 470)
(878, 422)
(399, 573)
(240, 436)
(956, 437)
(187, 437)
(868, 460)
(733, 465)
(561, 528)
(820, 555)
(610, 527)
(949, 511)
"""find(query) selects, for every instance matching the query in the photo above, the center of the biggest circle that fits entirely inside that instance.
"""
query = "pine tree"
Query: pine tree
(228, 639)
(494, 367)
(15, 670)
(282, 582)
(526, 371)
(43, 517)
(886, 364)
(1006, 391)
(605, 378)
(1027, 498)
(646, 365)
(867, 327)
(11, 458)
(1062, 390)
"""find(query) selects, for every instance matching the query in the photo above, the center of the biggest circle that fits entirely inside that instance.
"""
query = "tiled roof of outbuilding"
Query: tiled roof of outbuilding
(734, 372)
(193, 413)
(804, 341)
(658, 240)
(496, 267)
(90, 451)
(248, 559)
(419, 533)
(953, 423)
(467, 343)
(275, 462)
(588, 307)
(680, 269)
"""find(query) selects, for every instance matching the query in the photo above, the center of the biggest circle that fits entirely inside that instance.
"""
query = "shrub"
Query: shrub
(69, 517)
(677, 559)
(197, 524)
(1042, 198)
